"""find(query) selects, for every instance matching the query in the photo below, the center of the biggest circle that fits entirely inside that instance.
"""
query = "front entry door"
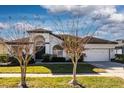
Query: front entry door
(40, 51)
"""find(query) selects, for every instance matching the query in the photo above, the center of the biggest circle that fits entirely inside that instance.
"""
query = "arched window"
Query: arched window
(58, 50)
(39, 40)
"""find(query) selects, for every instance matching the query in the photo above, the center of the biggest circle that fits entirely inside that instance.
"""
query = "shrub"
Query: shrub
(52, 58)
(113, 60)
(47, 57)
(15, 62)
(119, 58)
(4, 58)
(58, 59)
(68, 60)
(81, 59)
(32, 61)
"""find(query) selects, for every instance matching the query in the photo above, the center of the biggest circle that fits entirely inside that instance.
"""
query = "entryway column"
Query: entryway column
(47, 48)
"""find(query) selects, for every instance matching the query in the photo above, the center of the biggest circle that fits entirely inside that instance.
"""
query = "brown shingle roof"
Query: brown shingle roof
(90, 39)
(40, 30)
(20, 41)
(94, 40)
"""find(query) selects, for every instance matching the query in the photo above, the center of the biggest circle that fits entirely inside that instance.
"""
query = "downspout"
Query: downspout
(109, 55)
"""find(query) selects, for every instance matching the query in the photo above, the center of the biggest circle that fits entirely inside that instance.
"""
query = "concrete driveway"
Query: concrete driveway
(112, 68)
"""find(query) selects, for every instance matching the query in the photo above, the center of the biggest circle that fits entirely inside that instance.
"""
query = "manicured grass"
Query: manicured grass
(62, 82)
(53, 68)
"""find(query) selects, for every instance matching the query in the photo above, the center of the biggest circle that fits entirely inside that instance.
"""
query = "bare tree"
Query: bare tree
(19, 46)
(75, 31)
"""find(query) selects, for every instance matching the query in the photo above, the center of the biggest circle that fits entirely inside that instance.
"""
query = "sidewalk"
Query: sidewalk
(51, 75)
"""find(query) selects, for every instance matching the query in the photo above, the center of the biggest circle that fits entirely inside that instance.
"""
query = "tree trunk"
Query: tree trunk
(23, 77)
(74, 71)
(74, 79)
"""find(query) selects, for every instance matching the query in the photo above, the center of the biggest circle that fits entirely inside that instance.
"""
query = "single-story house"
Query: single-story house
(95, 50)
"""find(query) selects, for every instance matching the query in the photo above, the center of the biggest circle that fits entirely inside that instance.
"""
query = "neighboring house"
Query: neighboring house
(3, 48)
(120, 47)
(96, 49)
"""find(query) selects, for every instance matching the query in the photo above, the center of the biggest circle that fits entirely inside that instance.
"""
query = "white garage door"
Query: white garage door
(97, 55)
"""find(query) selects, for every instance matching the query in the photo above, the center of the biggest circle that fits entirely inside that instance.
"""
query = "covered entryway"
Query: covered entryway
(40, 52)
(97, 55)
(39, 46)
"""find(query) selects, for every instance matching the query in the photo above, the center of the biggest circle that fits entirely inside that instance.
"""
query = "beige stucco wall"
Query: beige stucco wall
(3, 49)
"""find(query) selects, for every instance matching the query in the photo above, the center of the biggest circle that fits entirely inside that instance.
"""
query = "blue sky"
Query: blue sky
(109, 25)
(18, 9)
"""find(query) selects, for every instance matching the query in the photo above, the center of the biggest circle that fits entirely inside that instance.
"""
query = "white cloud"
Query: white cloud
(112, 30)
(16, 26)
(104, 10)
(62, 8)
(111, 21)
(22, 26)
(3, 26)
(117, 17)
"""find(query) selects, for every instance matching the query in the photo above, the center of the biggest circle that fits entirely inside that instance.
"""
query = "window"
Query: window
(58, 50)
(59, 53)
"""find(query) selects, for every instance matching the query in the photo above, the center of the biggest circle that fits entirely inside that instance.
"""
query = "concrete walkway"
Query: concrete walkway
(51, 75)
(112, 68)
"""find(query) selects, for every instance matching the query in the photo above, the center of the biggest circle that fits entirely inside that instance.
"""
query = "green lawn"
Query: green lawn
(62, 82)
(53, 68)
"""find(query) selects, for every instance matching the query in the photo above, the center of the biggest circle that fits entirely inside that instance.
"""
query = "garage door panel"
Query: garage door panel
(97, 55)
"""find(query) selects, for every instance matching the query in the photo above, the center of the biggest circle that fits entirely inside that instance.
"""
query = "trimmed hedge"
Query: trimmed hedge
(32, 61)
(13, 61)
(47, 57)
(3, 58)
(54, 58)
(58, 59)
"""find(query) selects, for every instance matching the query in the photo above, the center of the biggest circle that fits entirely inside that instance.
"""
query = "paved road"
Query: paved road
(112, 68)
